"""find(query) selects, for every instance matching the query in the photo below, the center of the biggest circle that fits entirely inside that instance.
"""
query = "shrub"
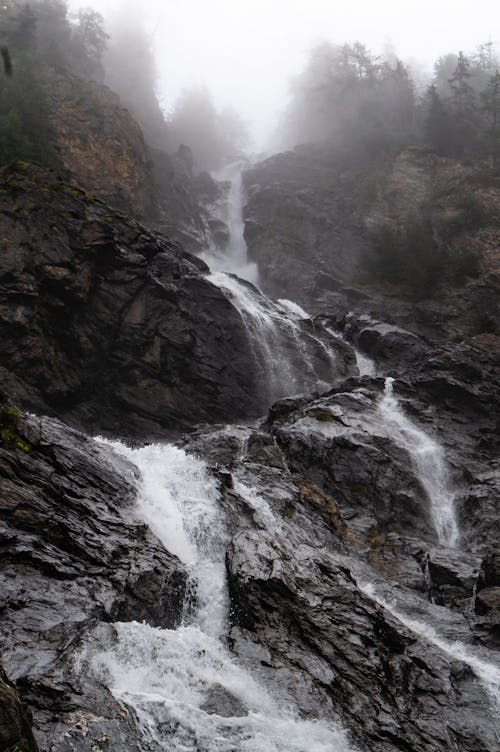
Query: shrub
(9, 432)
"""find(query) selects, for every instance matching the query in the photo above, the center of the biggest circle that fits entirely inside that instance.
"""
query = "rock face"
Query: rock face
(299, 227)
(73, 560)
(15, 720)
(300, 571)
(312, 215)
(101, 144)
(103, 147)
(108, 324)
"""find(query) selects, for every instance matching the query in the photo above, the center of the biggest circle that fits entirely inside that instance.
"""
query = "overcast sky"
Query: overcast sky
(246, 50)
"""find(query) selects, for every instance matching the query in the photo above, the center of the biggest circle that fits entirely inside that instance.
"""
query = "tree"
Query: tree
(89, 40)
(437, 122)
(213, 136)
(25, 130)
(463, 100)
(463, 93)
(491, 108)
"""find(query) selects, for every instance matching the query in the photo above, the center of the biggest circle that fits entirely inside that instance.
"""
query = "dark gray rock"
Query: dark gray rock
(338, 442)
(15, 719)
(488, 602)
(390, 346)
(109, 325)
(452, 576)
(220, 701)
(73, 557)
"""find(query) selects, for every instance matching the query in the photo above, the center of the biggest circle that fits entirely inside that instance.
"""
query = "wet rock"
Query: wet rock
(73, 556)
(109, 325)
(220, 701)
(15, 719)
(364, 664)
(338, 441)
(490, 570)
(452, 576)
(488, 601)
(313, 214)
(304, 612)
(389, 345)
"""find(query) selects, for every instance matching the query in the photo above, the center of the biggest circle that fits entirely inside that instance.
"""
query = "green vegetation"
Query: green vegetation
(354, 98)
(408, 257)
(324, 416)
(42, 44)
(463, 264)
(9, 430)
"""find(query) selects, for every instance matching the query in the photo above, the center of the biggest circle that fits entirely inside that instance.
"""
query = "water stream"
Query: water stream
(487, 673)
(429, 465)
(188, 691)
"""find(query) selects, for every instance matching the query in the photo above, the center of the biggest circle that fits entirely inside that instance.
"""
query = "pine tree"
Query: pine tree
(463, 93)
(437, 123)
(465, 127)
(491, 108)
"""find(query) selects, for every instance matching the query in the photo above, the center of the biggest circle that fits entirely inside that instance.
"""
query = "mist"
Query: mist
(245, 53)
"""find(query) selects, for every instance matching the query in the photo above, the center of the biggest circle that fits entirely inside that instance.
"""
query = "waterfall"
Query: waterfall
(234, 259)
(429, 464)
(366, 366)
(290, 355)
(188, 691)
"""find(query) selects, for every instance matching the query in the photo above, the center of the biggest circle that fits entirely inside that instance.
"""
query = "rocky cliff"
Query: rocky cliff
(107, 324)
(101, 144)
(319, 223)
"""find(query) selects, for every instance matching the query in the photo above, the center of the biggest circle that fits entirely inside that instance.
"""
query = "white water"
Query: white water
(487, 673)
(285, 355)
(233, 260)
(366, 366)
(290, 358)
(429, 464)
(168, 675)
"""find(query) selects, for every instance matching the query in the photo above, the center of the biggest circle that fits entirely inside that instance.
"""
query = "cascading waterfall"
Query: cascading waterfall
(233, 260)
(189, 693)
(429, 463)
(290, 358)
(291, 361)
(366, 366)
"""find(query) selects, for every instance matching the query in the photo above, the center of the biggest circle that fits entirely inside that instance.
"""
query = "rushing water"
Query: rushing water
(292, 359)
(289, 354)
(188, 691)
(429, 464)
(233, 260)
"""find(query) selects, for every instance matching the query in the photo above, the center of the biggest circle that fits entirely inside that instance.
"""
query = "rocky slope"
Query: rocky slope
(107, 324)
(328, 516)
(101, 145)
(73, 560)
(103, 148)
(313, 217)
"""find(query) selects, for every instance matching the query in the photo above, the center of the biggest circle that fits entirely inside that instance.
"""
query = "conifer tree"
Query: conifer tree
(491, 108)
(437, 123)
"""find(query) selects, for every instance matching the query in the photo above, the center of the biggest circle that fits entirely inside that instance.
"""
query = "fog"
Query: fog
(245, 53)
